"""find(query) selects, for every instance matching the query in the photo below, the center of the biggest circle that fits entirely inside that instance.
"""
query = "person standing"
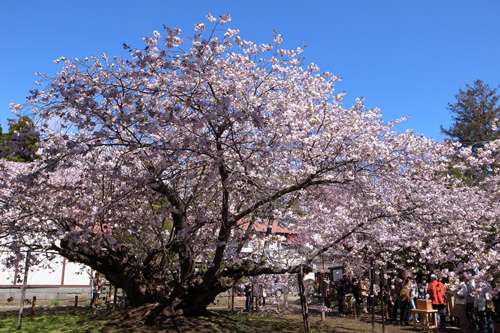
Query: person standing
(461, 304)
(437, 295)
(483, 305)
(405, 294)
(263, 295)
(414, 293)
(341, 292)
(248, 297)
(392, 300)
(421, 294)
(364, 287)
(471, 315)
(450, 287)
(423, 284)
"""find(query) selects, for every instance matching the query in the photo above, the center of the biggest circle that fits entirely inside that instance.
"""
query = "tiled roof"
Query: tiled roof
(262, 227)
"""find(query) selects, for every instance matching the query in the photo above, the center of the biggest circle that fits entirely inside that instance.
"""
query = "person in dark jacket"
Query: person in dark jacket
(341, 288)
(405, 294)
(248, 297)
(391, 299)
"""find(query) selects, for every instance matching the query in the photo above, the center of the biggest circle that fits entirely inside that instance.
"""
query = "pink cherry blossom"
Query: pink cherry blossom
(151, 165)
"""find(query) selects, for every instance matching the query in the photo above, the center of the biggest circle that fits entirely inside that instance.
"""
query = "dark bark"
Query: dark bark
(147, 281)
(303, 302)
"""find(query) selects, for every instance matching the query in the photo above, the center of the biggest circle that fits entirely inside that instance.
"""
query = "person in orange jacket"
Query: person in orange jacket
(437, 295)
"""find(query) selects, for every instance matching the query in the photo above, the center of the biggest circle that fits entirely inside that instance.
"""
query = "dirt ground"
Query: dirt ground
(268, 320)
(222, 319)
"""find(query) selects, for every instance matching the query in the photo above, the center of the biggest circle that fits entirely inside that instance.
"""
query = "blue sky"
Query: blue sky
(407, 57)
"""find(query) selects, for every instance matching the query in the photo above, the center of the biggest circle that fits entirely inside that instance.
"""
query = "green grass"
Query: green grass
(54, 323)
(132, 321)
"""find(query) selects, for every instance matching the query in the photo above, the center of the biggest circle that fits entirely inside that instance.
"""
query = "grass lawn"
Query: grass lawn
(222, 321)
(60, 319)
(53, 323)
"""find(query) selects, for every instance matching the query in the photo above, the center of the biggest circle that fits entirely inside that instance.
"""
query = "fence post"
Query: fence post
(75, 308)
(354, 310)
(33, 304)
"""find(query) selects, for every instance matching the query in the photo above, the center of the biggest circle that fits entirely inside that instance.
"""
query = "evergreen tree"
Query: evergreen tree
(473, 115)
(22, 141)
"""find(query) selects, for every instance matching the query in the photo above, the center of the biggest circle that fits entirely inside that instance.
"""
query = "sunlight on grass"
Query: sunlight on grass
(64, 323)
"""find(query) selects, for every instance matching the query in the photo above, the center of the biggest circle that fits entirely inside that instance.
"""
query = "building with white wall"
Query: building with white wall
(59, 280)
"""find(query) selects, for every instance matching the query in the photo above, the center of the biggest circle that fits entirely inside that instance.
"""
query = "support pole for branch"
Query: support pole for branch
(33, 305)
(232, 300)
(382, 303)
(23, 291)
(114, 298)
(285, 292)
(108, 300)
(75, 308)
(303, 301)
(252, 307)
(372, 294)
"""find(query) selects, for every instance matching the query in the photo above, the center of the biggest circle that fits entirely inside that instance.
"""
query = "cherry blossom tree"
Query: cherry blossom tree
(151, 165)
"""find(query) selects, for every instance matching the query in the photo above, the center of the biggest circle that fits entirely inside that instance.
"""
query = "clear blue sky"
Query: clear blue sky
(407, 57)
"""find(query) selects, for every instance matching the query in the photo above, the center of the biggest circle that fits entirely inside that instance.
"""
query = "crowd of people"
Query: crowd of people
(459, 300)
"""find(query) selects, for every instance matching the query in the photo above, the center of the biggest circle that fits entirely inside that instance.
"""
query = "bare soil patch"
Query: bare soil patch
(222, 320)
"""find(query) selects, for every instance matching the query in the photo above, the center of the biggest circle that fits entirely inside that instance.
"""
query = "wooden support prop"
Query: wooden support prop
(232, 300)
(114, 298)
(303, 301)
(33, 305)
(285, 295)
(383, 307)
(108, 301)
(75, 308)
(251, 300)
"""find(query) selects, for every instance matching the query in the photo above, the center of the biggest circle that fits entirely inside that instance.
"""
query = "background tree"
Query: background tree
(22, 142)
(474, 114)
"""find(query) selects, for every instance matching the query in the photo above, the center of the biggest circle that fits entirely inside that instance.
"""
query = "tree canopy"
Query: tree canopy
(474, 115)
(21, 143)
(152, 165)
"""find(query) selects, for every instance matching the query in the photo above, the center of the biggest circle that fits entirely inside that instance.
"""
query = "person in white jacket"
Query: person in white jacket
(481, 299)
(461, 304)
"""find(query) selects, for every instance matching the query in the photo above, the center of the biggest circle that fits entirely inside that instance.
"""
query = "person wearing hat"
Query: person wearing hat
(437, 295)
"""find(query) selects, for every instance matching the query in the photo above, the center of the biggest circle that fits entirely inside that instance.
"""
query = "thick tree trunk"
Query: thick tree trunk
(23, 291)
(145, 280)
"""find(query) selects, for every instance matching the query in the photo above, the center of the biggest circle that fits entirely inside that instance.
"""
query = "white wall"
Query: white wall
(74, 274)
